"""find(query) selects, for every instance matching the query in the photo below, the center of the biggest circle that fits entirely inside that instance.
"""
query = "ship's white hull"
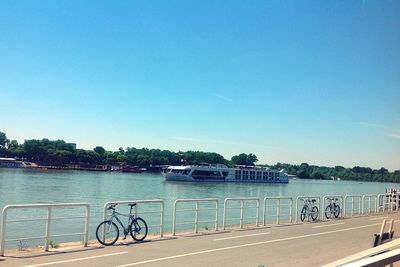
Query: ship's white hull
(224, 174)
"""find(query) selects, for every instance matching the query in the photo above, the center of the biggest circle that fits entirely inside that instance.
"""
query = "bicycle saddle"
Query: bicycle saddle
(132, 204)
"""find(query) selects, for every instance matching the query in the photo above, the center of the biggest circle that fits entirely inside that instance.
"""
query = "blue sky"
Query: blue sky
(290, 81)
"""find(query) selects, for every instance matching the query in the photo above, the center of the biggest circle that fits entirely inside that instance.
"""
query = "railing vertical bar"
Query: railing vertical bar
(47, 236)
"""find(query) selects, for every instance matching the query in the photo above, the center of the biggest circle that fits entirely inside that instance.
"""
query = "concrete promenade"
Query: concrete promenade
(307, 244)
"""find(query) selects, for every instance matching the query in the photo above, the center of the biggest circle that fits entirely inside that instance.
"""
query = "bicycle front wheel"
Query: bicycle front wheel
(139, 229)
(328, 212)
(314, 213)
(336, 212)
(303, 214)
(107, 233)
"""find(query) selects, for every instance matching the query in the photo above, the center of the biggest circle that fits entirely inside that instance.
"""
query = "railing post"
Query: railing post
(216, 215)
(47, 235)
(3, 231)
(241, 213)
(258, 213)
(278, 210)
(162, 219)
(352, 206)
(290, 210)
(224, 216)
(86, 236)
(196, 218)
(174, 218)
(265, 211)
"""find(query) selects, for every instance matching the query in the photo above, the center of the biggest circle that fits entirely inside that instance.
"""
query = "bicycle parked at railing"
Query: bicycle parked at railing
(309, 209)
(107, 232)
(333, 208)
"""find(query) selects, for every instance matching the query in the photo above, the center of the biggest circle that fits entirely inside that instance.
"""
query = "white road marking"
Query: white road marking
(78, 259)
(240, 236)
(327, 225)
(245, 245)
(379, 218)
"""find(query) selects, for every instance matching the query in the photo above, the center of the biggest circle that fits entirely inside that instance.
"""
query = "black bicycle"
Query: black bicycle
(107, 233)
(333, 208)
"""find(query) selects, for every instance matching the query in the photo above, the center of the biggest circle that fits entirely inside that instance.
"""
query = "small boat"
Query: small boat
(130, 168)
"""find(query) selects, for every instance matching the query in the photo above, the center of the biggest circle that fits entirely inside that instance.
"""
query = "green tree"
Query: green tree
(244, 159)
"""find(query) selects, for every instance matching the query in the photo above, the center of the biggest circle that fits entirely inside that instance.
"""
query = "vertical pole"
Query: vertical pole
(216, 215)
(224, 216)
(162, 219)
(352, 206)
(241, 214)
(196, 217)
(258, 213)
(265, 211)
(277, 210)
(290, 210)
(86, 236)
(47, 236)
(3, 231)
(362, 204)
(174, 219)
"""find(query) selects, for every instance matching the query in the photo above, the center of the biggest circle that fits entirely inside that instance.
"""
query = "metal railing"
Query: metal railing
(384, 203)
(277, 205)
(242, 207)
(324, 204)
(136, 212)
(49, 218)
(318, 198)
(364, 202)
(353, 198)
(196, 210)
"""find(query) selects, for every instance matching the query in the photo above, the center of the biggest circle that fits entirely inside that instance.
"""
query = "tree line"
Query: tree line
(60, 153)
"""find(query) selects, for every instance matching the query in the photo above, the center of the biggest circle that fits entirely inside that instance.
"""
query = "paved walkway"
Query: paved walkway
(308, 244)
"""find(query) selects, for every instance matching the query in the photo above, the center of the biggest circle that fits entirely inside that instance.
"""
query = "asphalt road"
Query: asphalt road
(308, 244)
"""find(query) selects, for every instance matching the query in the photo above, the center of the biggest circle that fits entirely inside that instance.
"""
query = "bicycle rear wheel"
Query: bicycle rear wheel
(109, 230)
(303, 214)
(328, 212)
(336, 212)
(139, 229)
(314, 213)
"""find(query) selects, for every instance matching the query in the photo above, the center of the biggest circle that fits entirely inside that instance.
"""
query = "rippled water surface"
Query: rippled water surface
(20, 186)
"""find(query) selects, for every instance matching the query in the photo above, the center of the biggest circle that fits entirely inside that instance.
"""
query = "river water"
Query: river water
(22, 186)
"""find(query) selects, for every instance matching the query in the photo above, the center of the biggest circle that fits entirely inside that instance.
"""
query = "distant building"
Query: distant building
(9, 163)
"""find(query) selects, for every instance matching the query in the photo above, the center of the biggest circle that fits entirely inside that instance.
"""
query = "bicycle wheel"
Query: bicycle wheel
(314, 213)
(303, 214)
(111, 233)
(139, 229)
(336, 212)
(328, 211)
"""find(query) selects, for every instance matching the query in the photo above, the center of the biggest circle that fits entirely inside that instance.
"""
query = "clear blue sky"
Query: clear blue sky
(290, 81)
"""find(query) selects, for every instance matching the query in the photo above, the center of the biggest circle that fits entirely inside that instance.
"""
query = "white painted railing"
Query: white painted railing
(196, 210)
(324, 205)
(49, 218)
(384, 203)
(368, 210)
(318, 205)
(242, 207)
(138, 212)
(353, 199)
(278, 203)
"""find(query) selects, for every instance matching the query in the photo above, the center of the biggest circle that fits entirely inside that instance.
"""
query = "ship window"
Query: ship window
(206, 173)
(258, 175)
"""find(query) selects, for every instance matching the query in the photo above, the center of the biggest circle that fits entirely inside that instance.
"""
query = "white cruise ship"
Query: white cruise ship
(222, 173)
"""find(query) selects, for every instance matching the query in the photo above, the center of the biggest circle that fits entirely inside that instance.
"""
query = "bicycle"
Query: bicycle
(332, 208)
(309, 209)
(107, 232)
